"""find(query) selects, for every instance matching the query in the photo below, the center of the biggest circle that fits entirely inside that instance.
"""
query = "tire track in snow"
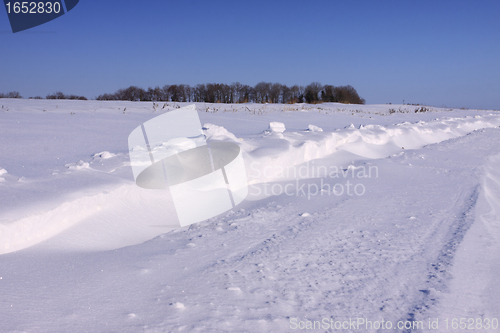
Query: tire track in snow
(437, 276)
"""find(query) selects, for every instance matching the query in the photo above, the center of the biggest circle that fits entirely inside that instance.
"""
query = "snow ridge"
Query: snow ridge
(278, 151)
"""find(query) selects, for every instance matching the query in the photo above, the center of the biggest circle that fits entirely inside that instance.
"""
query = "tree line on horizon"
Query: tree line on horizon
(56, 95)
(262, 92)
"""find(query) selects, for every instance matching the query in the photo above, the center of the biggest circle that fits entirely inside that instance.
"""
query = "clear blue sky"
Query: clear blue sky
(434, 52)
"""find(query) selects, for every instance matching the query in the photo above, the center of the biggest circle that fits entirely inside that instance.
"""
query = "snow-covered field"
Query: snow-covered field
(359, 218)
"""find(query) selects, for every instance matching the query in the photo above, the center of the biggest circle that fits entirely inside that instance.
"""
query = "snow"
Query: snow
(314, 128)
(218, 133)
(80, 165)
(276, 127)
(104, 155)
(2, 172)
(376, 215)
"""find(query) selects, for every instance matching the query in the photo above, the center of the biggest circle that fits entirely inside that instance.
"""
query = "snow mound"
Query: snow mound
(2, 171)
(313, 128)
(104, 155)
(178, 305)
(219, 133)
(276, 127)
(80, 165)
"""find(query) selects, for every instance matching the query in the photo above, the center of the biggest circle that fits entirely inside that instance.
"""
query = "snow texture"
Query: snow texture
(377, 215)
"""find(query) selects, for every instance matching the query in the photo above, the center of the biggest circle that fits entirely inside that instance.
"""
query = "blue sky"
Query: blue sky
(434, 52)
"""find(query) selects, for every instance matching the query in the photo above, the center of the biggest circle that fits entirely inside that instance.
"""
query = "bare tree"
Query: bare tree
(165, 93)
(246, 94)
(188, 93)
(312, 92)
(297, 94)
(14, 94)
(236, 88)
(262, 92)
(107, 97)
(152, 94)
(199, 93)
(275, 90)
(327, 94)
(210, 93)
(175, 94)
(286, 94)
(347, 94)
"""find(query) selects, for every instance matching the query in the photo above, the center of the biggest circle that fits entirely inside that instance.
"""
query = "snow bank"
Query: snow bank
(370, 141)
(491, 186)
(107, 220)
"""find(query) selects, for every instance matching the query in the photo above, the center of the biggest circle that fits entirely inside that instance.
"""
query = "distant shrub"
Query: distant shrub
(81, 98)
(399, 110)
(421, 109)
(60, 95)
(56, 95)
(106, 97)
(12, 94)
